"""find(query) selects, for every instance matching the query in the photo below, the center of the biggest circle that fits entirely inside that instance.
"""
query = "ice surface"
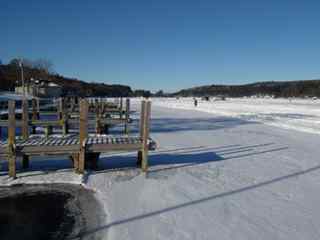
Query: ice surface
(215, 175)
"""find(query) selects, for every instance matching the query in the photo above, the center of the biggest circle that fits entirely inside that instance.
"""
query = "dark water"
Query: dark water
(50, 212)
(40, 215)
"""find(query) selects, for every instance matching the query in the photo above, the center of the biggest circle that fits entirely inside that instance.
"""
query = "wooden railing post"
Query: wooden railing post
(11, 139)
(145, 135)
(126, 125)
(25, 120)
(83, 134)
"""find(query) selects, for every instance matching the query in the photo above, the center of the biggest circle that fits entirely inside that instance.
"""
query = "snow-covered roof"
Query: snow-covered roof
(5, 96)
(53, 85)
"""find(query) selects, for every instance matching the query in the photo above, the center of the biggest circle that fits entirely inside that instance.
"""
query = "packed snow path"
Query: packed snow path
(213, 177)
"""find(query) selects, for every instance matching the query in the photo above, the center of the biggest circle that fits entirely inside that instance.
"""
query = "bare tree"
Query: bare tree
(43, 65)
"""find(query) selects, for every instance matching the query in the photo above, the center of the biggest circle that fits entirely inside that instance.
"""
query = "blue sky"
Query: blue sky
(168, 44)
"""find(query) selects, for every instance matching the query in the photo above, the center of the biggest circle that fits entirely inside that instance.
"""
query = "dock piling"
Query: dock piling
(83, 134)
(145, 118)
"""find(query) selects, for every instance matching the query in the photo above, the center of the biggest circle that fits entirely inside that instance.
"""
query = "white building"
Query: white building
(41, 88)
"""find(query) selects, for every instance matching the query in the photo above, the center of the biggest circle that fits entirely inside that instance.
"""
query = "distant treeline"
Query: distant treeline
(305, 88)
(10, 76)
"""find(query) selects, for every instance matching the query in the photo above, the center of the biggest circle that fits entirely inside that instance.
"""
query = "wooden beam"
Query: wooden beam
(145, 137)
(12, 139)
(83, 134)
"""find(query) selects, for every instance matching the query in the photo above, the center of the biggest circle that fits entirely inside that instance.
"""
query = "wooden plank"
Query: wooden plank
(49, 150)
(11, 139)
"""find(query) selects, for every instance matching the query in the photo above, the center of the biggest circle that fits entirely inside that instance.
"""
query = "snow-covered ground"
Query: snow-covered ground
(212, 177)
(298, 114)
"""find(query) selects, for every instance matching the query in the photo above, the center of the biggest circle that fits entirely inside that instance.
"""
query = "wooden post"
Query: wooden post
(48, 131)
(141, 129)
(65, 124)
(63, 115)
(145, 135)
(121, 103)
(11, 139)
(98, 121)
(60, 108)
(142, 113)
(121, 107)
(126, 125)
(83, 134)
(75, 160)
(25, 120)
(35, 114)
(72, 107)
(25, 130)
(38, 107)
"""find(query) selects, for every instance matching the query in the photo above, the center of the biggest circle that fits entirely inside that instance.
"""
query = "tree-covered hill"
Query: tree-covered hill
(277, 89)
(10, 76)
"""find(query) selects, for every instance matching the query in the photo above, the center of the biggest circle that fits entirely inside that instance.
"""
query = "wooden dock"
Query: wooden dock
(102, 115)
(82, 148)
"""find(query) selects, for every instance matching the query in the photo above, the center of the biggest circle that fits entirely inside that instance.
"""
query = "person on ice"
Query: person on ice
(195, 102)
